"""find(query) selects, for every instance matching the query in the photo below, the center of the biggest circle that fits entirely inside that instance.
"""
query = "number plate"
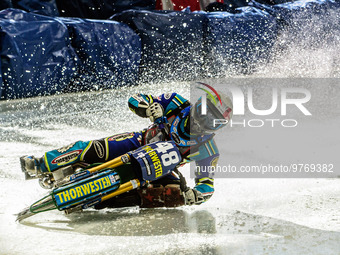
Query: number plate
(157, 159)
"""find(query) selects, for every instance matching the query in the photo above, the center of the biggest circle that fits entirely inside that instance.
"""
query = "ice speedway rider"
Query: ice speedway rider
(185, 124)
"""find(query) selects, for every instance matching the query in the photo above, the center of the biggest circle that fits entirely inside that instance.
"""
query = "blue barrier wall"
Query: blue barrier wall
(239, 42)
(305, 9)
(42, 55)
(313, 23)
(173, 43)
(36, 57)
(109, 53)
(185, 45)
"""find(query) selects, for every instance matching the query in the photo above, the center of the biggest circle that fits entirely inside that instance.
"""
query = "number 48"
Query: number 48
(167, 158)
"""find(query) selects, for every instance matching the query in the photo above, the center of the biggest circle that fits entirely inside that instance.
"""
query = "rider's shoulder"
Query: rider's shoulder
(172, 96)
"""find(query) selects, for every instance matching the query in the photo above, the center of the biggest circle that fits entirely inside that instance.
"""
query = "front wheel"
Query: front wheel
(43, 205)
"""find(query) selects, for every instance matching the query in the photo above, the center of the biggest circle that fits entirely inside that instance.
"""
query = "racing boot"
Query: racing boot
(32, 167)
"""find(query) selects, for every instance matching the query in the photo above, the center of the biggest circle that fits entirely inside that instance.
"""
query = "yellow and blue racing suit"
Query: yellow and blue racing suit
(199, 148)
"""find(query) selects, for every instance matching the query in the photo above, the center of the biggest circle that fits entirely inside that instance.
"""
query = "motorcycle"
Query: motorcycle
(80, 186)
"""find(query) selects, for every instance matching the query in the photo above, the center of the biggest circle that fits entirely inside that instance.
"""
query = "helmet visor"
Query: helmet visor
(212, 120)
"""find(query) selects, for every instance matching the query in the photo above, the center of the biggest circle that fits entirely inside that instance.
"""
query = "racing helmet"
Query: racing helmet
(216, 113)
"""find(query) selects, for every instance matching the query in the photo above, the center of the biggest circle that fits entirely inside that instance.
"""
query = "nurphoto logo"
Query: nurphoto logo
(281, 99)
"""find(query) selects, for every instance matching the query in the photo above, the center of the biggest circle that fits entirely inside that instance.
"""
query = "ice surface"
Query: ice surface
(245, 216)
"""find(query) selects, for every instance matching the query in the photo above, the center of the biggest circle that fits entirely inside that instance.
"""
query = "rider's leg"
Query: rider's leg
(89, 152)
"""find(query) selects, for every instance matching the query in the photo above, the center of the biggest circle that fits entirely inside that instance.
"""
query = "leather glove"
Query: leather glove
(154, 111)
(193, 197)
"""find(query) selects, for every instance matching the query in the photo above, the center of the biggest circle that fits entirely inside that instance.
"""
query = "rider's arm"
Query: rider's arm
(204, 179)
(170, 103)
(206, 158)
